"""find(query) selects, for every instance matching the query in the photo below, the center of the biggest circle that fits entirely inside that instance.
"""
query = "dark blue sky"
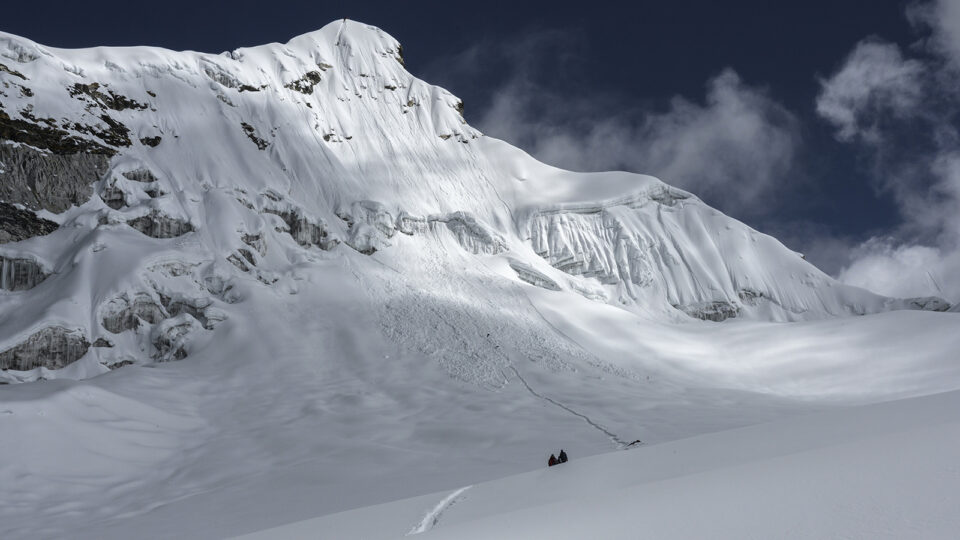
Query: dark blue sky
(637, 53)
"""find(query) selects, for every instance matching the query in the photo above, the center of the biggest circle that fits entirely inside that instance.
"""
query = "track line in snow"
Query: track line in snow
(433, 516)
(612, 436)
(559, 332)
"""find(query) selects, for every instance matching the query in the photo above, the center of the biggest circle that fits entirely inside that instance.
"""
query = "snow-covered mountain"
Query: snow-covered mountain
(295, 270)
(170, 176)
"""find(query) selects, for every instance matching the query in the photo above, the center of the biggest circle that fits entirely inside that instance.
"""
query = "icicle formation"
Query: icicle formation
(20, 274)
(53, 348)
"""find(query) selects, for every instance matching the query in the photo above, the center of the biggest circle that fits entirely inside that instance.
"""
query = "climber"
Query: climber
(563, 457)
(553, 461)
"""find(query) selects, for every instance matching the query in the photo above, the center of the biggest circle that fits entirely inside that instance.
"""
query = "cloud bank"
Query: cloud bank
(875, 82)
(900, 108)
(732, 147)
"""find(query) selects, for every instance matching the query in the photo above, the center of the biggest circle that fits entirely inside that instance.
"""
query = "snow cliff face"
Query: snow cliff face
(145, 192)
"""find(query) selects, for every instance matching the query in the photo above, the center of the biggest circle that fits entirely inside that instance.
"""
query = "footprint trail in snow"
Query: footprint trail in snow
(433, 516)
(612, 436)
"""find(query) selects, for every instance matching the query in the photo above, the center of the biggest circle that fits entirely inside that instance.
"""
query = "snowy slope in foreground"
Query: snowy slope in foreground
(880, 471)
(232, 444)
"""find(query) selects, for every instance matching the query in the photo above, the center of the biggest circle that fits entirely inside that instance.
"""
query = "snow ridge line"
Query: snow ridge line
(612, 436)
(433, 516)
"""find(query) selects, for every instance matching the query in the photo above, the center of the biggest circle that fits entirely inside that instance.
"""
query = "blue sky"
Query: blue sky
(831, 125)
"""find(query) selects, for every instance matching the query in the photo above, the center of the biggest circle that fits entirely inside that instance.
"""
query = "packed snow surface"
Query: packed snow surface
(288, 281)
(879, 471)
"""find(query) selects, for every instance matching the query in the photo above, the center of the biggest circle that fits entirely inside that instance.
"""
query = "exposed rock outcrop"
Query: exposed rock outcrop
(54, 182)
(103, 98)
(154, 191)
(114, 197)
(219, 74)
(171, 319)
(305, 84)
(251, 133)
(15, 73)
(53, 348)
(241, 260)
(927, 303)
(711, 311)
(472, 235)
(123, 313)
(198, 308)
(304, 231)
(17, 224)
(174, 268)
(48, 136)
(158, 225)
(256, 241)
(139, 175)
(222, 288)
(170, 338)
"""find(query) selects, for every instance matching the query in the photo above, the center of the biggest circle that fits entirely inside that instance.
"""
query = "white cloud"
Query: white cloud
(875, 81)
(731, 150)
(899, 111)
(943, 18)
(904, 271)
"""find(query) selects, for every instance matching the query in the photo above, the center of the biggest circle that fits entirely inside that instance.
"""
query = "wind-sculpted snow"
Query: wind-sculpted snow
(306, 259)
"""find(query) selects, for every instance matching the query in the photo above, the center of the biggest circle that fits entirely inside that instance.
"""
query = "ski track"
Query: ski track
(433, 516)
(612, 436)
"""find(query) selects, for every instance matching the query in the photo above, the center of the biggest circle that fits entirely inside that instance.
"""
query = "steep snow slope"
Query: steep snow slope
(369, 299)
(883, 471)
